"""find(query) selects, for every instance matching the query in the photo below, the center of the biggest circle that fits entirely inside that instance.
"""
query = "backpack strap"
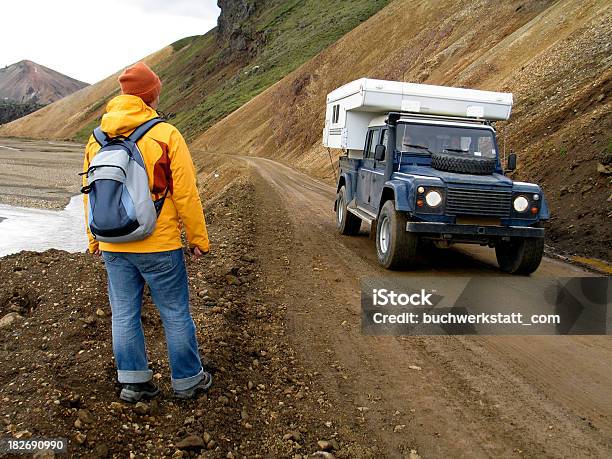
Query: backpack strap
(135, 136)
(144, 128)
(100, 136)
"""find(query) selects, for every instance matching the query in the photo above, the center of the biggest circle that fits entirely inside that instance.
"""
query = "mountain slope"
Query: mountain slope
(27, 81)
(554, 56)
(206, 77)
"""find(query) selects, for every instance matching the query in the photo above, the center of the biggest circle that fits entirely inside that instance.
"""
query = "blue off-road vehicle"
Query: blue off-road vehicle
(428, 177)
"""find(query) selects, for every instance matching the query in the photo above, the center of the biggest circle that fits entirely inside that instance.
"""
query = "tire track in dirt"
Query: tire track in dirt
(475, 396)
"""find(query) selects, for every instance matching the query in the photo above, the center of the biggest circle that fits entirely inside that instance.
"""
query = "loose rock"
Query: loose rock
(191, 442)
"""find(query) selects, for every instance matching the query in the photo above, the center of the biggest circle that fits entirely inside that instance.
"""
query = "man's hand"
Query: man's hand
(196, 252)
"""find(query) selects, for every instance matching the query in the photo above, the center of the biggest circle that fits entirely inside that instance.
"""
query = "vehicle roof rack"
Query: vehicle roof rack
(441, 117)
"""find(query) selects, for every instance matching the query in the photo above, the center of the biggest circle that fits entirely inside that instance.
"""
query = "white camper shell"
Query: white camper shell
(352, 107)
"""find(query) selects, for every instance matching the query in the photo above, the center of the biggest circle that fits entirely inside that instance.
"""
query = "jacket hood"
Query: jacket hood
(125, 113)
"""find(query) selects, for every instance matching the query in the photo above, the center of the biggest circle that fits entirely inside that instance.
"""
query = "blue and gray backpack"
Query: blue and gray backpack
(121, 208)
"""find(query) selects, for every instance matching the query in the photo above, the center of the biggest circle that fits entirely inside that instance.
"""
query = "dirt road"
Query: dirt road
(474, 396)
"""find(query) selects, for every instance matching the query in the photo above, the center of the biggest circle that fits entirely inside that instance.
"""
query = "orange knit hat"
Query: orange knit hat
(139, 80)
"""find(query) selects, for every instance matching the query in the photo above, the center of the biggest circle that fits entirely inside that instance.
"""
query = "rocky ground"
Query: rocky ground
(57, 375)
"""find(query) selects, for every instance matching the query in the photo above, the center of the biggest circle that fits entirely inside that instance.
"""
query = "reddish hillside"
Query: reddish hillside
(554, 57)
(27, 81)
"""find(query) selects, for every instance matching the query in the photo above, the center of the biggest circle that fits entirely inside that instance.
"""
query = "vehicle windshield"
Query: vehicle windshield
(426, 139)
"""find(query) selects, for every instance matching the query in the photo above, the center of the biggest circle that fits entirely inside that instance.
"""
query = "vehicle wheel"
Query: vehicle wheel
(520, 255)
(462, 164)
(395, 247)
(346, 222)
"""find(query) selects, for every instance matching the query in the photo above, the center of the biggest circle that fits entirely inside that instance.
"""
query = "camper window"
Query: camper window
(383, 139)
(371, 143)
(336, 114)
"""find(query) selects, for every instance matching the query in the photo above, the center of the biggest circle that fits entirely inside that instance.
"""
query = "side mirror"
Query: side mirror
(511, 162)
(379, 152)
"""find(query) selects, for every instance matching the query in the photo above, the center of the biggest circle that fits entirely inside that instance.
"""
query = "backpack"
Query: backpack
(120, 207)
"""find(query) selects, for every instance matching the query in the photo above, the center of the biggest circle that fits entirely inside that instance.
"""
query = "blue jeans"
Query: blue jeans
(166, 276)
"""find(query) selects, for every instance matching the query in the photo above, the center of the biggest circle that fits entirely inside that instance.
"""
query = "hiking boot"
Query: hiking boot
(135, 392)
(197, 390)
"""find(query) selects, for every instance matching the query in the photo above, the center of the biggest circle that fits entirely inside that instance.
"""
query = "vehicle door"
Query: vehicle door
(378, 174)
(367, 169)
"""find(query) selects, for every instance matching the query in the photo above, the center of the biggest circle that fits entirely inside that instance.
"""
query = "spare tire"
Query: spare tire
(463, 164)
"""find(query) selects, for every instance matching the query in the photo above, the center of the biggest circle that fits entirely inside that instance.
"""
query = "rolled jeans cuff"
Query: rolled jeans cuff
(187, 383)
(134, 377)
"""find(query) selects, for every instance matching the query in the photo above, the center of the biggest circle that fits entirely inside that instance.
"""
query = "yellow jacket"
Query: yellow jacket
(168, 164)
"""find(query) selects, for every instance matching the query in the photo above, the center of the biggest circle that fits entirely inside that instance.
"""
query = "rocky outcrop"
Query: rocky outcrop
(234, 30)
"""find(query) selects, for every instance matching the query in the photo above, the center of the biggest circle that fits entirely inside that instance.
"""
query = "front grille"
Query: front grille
(463, 201)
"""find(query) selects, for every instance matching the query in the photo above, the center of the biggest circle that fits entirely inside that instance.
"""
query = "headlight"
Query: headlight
(433, 198)
(520, 204)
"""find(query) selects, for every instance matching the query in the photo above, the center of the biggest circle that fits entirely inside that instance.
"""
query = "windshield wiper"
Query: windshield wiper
(419, 147)
(458, 150)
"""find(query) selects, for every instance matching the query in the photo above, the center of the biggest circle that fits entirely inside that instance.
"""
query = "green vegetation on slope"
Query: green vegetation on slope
(206, 77)
(10, 110)
(203, 82)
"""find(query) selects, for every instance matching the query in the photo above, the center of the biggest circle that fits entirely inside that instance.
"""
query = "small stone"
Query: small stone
(191, 442)
(116, 406)
(141, 408)
(100, 312)
(78, 424)
(399, 427)
(293, 435)
(89, 320)
(250, 385)
(413, 454)
(206, 437)
(101, 450)
(324, 455)
(23, 434)
(80, 438)
(604, 169)
(232, 280)
(223, 400)
(325, 445)
(211, 444)
(85, 417)
(415, 367)
(9, 319)
(189, 420)
(178, 454)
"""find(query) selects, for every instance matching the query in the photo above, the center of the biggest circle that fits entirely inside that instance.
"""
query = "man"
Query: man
(157, 260)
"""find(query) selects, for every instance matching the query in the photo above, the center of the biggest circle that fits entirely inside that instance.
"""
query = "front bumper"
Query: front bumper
(474, 230)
